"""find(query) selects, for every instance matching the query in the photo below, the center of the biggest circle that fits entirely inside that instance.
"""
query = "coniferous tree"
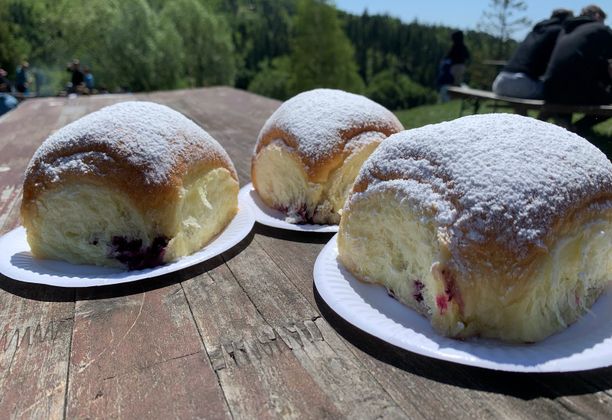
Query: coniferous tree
(155, 44)
(260, 32)
(273, 78)
(141, 52)
(206, 42)
(502, 19)
(321, 53)
(14, 46)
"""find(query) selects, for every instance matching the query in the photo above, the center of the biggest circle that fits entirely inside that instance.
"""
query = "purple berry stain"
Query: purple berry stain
(131, 252)
(451, 292)
(442, 303)
(299, 212)
(418, 291)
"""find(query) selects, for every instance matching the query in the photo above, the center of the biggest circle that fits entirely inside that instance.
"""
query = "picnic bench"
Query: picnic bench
(244, 335)
(520, 105)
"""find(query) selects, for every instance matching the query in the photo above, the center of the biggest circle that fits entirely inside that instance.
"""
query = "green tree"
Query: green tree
(13, 45)
(206, 42)
(273, 78)
(260, 32)
(321, 54)
(138, 51)
(502, 19)
(396, 90)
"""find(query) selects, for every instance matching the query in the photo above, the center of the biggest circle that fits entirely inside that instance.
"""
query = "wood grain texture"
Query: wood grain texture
(259, 375)
(241, 336)
(35, 322)
(291, 316)
(139, 354)
(35, 330)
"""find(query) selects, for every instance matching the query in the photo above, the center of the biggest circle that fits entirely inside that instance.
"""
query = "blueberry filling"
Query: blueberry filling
(131, 252)
(298, 213)
(418, 291)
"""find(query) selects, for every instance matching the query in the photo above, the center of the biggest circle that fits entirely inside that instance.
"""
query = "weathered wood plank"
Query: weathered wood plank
(19, 138)
(524, 104)
(137, 351)
(259, 375)
(35, 321)
(476, 393)
(35, 331)
(273, 304)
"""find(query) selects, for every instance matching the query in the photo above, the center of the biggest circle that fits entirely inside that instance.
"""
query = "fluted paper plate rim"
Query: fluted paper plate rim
(17, 263)
(587, 344)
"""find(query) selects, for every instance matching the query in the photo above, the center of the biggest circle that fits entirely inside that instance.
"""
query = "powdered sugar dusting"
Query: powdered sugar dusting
(363, 139)
(495, 175)
(148, 135)
(316, 120)
(79, 162)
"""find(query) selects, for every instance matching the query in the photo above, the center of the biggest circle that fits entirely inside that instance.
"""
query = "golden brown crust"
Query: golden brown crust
(495, 215)
(319, 167)
(111, 147)
(318, 126)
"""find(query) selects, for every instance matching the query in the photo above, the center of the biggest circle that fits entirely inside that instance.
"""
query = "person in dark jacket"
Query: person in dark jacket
(77, 78)
(21, 78)
(520, 78)
(579, 68)
(458, 56)
(5, 83)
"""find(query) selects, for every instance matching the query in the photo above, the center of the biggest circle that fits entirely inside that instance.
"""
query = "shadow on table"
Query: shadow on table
(292, 235)
(41, 292)
(526, 386)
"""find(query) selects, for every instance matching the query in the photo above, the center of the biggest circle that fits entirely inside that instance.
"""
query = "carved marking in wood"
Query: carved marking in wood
(29, 335)
(267, 344)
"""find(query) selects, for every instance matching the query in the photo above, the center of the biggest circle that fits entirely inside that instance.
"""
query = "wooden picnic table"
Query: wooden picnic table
(241, 336)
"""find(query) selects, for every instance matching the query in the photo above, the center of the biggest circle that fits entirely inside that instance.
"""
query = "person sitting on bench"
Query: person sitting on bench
(579, 71)
(458, 55)
(520, 78)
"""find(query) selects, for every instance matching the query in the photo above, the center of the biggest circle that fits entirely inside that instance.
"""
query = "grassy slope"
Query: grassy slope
(601, 136)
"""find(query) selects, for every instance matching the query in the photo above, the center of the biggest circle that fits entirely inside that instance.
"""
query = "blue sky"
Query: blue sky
(462, 14)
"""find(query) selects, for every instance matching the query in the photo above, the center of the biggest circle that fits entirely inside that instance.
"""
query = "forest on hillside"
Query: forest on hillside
(275, 48)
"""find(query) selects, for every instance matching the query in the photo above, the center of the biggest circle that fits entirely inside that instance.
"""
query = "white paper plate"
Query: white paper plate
(17, 262)
(587, 344)
(274, 218)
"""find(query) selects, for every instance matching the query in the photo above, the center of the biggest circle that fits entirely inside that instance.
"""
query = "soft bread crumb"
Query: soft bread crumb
(309, 151)
(494, 225)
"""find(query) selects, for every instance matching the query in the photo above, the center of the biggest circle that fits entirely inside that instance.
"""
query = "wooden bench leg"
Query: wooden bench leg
(461, 107)
(476, 105)
(520, 110)
(563, 120)
(544, 115)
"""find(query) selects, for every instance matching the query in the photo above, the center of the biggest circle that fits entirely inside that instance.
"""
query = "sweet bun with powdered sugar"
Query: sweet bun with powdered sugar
(133, 185)
(310, 150)
(490, 225)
